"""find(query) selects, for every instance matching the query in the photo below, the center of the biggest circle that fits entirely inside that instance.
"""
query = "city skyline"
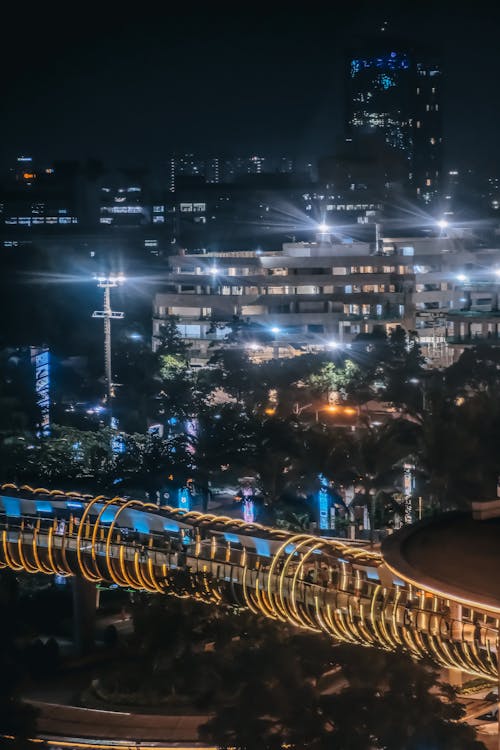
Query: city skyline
(211, 81)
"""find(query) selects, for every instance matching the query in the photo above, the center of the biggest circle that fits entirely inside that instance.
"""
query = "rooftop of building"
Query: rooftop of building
(453, 554)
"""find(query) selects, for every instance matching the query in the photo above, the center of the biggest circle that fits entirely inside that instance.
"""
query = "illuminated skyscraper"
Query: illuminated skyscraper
(394, 91)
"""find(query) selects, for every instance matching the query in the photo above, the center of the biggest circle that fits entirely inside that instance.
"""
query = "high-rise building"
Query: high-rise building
(185, 165)
(394, 91)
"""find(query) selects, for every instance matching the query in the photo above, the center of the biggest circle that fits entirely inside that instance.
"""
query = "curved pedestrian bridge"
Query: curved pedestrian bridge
(321, 584)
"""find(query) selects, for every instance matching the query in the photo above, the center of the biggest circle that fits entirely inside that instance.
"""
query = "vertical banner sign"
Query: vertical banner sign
(323, 503)
(332, 517)
(348, 495)
(409, 487)
(248, 511)
(248, 505)
(118, 444)
(184, 499)
(366, 518)
(40, 360)
(192, 431)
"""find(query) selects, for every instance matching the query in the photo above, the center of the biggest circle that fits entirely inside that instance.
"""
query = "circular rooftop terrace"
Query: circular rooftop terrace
(454, 555)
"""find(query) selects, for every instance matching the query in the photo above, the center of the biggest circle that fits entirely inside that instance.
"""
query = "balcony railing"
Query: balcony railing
(493, 339)
(473, 314)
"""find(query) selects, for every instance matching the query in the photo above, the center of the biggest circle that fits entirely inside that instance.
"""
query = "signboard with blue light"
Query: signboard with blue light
(184, 499)
(40, 359)
(323, 504)
(323, 508)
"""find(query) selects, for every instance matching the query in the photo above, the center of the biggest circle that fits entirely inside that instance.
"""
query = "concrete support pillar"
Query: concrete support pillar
(84, 614)
(456, 619)
(455, 677)
(386, 577)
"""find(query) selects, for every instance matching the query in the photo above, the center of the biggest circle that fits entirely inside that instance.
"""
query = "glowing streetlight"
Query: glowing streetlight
(323, 228)
(347, 411)
(443, 224)
(276, 352)
(462, 277)
(333, 344)
(106, 283)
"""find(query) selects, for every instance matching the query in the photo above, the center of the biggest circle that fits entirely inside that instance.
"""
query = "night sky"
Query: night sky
(130, 83)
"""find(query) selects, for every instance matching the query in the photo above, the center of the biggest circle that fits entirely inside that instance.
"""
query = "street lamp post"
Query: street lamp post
(275, 330)
(106, 283)
(324, 232)
(423, 383)
(443, 226)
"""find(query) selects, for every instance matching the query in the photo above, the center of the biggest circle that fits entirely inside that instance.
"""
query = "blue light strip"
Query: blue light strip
(169, 525)
(262, 547)
(12, 506)
(43, 506)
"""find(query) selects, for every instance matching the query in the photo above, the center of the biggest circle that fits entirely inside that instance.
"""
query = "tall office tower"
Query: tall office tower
(393, 90)
(187, 165)
(213, 169)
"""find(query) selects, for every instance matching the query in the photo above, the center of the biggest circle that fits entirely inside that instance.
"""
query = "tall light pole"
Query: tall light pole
(275, 330)
(443, 225)
(107, 283)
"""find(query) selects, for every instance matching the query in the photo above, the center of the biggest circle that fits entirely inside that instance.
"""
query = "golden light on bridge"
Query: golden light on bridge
(314, 583)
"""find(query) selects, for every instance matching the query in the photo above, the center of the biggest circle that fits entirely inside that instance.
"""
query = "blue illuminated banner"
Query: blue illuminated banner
(323, 505)
(324, 502)
(248, 511)
(118, 444)
(184, 499)
(40, 359)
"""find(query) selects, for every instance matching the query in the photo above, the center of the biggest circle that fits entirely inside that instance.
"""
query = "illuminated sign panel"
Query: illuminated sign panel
(184, 499)
(40, 359)
(323, 504)
(409, 488)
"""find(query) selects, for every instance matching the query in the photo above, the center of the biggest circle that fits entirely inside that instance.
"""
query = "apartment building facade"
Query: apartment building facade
(308, 295)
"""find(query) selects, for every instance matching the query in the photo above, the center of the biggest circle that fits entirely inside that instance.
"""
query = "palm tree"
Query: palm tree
(278, 457)
(369, 458)
(221, 442)
(453, 445)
